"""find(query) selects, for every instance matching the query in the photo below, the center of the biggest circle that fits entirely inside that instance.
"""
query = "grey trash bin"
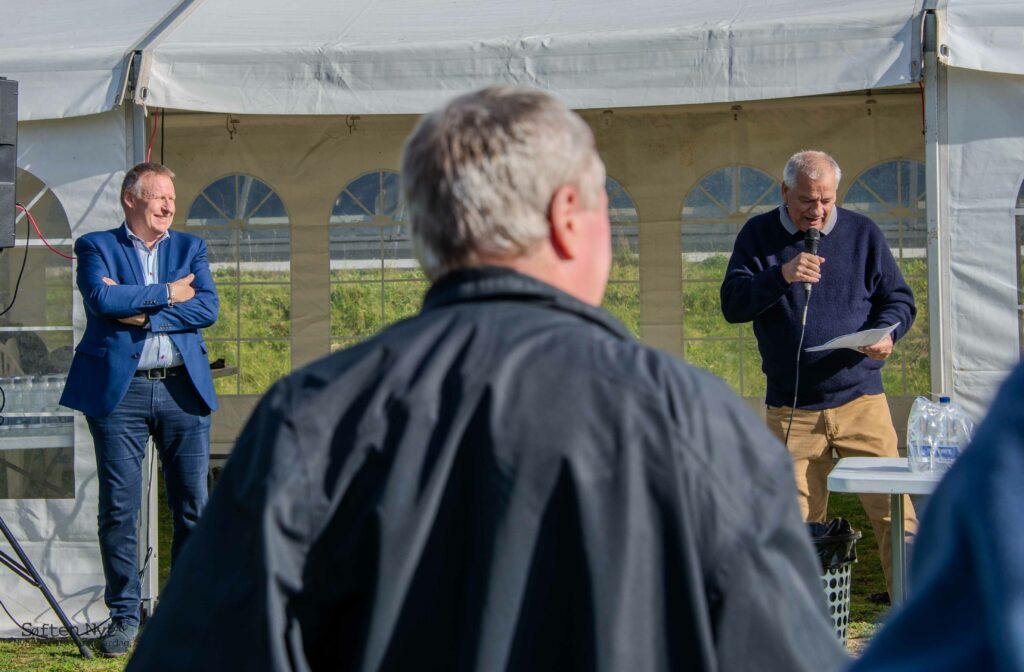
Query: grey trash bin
(836, 545)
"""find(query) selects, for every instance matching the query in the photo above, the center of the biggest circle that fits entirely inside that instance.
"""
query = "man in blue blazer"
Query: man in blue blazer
(141, 370)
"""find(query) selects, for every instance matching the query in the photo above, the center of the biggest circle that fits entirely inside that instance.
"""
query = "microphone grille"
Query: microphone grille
(811, 239)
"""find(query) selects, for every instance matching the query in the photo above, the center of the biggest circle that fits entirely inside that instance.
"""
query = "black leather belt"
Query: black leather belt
(160, 374)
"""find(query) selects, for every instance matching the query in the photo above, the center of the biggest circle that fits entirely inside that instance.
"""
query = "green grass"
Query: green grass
(36, 656)
(866, 576)
(33, 655)
(730, 350)
(254, 326)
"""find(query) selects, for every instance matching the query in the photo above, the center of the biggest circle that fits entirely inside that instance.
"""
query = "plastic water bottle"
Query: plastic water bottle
(936, 434)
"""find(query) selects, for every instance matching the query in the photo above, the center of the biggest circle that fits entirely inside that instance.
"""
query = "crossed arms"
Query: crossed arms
(186, 304)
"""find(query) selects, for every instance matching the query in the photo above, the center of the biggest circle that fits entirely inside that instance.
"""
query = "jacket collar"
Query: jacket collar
(495, 283)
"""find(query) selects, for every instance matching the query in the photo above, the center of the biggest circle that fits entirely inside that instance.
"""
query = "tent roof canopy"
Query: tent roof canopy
(407, 56)
(71, 58)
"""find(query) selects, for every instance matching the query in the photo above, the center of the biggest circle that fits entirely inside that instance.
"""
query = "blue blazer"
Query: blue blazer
(108, 355)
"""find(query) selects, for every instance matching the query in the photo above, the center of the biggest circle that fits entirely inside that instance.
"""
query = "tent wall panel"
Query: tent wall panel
(986, 160)
(82, 161)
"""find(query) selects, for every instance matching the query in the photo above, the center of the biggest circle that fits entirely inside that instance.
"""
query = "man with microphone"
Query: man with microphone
(820, 401)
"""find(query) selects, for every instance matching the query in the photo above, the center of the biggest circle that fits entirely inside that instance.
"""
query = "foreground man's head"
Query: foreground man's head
(509, 177)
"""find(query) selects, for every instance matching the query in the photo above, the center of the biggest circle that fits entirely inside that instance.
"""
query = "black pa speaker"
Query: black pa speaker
(8, 158)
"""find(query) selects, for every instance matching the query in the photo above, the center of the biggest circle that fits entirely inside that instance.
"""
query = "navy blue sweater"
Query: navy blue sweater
(861, 287)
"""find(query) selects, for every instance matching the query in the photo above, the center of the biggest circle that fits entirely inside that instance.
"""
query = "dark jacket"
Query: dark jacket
(505, 481)
(861, 287)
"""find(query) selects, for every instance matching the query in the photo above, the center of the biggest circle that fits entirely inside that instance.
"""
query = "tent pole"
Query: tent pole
(148, 557)
(938, 233)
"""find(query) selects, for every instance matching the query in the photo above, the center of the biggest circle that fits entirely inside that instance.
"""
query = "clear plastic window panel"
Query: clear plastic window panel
(622, 296)
(248, 236)
(712, 215)
(36, 346)
(892, 194)
(375, 277)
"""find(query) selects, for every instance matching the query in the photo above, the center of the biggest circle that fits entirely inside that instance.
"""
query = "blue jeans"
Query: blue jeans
(172, 412)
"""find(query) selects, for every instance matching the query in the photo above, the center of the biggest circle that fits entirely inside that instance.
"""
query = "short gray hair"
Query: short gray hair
(478, 175)
(809, 162)
(132, 184)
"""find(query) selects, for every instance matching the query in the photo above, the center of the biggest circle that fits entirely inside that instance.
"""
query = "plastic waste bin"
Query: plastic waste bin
(836, 545)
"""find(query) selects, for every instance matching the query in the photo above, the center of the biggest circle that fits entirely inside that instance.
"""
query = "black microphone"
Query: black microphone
(811, 239)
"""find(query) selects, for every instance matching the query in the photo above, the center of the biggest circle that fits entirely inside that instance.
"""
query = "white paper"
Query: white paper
(856, 340)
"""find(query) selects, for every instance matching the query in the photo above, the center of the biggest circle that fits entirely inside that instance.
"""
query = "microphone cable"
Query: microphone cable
(811, 240)
(799, 349)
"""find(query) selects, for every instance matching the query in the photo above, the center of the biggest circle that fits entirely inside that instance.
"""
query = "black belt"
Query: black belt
(160, 374)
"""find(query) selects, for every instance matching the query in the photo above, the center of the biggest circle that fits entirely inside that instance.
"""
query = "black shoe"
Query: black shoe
(879, 598)
(119, 638)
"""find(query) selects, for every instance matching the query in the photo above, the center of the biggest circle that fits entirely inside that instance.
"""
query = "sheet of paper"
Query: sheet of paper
(856, 340)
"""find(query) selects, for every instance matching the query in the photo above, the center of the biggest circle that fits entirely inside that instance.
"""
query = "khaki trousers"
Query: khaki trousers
(862, 427)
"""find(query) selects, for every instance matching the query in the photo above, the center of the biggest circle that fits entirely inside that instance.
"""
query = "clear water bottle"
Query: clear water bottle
(936, 434)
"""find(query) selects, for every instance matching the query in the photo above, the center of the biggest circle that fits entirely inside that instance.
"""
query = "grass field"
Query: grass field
(253, 329)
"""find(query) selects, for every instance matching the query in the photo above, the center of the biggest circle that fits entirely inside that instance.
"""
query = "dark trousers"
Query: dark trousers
(172, 412)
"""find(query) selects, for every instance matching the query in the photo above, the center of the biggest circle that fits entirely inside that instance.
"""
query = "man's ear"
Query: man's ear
(562, 210)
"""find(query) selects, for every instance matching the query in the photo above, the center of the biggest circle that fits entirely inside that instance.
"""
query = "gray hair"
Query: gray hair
(811, 163)
(132, 180)
(478, 175)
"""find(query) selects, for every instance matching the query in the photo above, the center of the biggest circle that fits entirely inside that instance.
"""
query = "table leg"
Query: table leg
(899, 551)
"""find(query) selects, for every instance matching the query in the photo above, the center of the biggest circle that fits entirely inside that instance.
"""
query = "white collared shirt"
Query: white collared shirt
(159, 351)
(789, 226)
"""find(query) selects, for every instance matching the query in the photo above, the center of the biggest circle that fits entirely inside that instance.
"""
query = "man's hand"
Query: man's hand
(880, 350)
(135, 320)
(804, 267)
(181, 289)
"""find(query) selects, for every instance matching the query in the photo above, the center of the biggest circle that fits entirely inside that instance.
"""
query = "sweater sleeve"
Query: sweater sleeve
(750, 286)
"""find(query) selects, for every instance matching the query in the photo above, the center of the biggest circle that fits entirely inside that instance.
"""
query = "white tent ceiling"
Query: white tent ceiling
(70, 58)
(407, 56)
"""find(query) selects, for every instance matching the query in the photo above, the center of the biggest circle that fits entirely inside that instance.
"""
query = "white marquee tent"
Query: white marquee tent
(677, 92)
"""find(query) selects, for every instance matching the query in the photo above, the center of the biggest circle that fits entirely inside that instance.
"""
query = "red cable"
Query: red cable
(149, 149)
(39, 233)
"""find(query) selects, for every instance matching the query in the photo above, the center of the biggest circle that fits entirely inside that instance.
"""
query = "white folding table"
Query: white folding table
(891, 476)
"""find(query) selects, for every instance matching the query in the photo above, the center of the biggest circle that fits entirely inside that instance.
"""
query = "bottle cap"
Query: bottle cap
(943, 400)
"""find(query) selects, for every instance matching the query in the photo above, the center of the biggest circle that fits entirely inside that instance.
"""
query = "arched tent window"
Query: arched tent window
(248, 236)
(713, 213)
(36, 345)
(1018, 213)
(375, 278)
(892, 194)
(622, 298)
